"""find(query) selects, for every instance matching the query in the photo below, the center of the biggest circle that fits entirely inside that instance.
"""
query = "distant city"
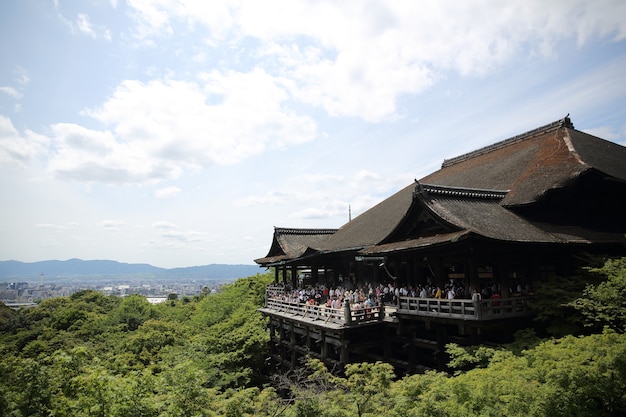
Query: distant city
(22, 285)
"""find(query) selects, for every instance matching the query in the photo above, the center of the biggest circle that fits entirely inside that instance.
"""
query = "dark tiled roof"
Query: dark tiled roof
(409, 244)
(291, 243)
(372, 226)
(486, 217)
(476, 194)
(478, 212)
(533, 163)
(565, 122)
(600, 154)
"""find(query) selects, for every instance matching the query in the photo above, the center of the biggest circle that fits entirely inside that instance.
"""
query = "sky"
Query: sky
(181, 132)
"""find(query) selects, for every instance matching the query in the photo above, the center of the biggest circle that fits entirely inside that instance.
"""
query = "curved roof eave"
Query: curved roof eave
(418, 243)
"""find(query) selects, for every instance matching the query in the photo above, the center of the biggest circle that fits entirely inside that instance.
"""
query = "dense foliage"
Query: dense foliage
(93, 355)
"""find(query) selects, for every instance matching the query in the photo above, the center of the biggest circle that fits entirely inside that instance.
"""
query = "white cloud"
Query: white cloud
(164, 225)
(184, 236)
(10, 91)
(156, 18)
(57, 227)
(83, 25)
(355, 58)
(349, 58)
(87, 155)
(271, 197)
(329, 196)
(170, 232)
(160, 128)
(18, 148)
(112, 225)
(167, 192)
(22, 75)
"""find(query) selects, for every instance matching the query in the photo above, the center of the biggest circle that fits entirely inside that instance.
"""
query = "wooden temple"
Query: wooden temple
(492, 221)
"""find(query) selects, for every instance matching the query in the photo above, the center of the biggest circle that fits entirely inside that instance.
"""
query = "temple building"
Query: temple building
(453, 256)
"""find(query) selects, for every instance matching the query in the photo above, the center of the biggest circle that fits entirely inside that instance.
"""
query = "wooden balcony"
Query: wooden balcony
(323, 315)
(346, 316)
(462, 309)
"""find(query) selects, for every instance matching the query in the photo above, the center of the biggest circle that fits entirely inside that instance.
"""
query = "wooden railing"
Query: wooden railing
(465, 309)
(345, 315)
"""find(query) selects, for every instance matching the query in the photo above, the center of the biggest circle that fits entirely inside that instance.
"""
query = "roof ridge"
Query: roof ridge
(303, 231)
(564, 122)
(426, 189)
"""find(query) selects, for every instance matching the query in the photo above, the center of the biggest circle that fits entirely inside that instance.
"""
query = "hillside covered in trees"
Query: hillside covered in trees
(95, 355)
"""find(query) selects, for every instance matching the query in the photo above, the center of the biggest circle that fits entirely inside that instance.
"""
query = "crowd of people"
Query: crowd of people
(370, 294)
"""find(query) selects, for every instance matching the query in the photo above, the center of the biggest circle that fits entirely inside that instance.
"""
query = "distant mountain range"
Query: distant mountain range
(77, 267)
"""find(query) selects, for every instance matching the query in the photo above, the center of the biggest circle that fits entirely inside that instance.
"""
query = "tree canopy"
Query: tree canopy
(96, 355)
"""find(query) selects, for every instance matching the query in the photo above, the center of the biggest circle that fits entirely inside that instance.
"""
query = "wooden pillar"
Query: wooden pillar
(281, 329)
(504, 278)
(442, 341)
(387, 344)
(360, 273)
(272, 330)
(314, 273)
(308, 338)
(411, 351)
(324, 345)
(292, 345)
(272, 344)
(344, 355)
(472, 274)
(294, 277)
(440, 272)
(282, 350)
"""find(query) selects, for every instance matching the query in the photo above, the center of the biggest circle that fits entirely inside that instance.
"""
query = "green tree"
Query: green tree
(185, 393)
(134, 396)
(94, 301)
(148, 341)
(587, 375)
(419, 395)
(605, 304)
(7, 316)
(132, 312)
(26, 387)
(363, 391)
(367, 385)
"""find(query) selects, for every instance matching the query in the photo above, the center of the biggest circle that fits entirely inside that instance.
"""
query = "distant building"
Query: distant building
(156, 300)
(492, 222)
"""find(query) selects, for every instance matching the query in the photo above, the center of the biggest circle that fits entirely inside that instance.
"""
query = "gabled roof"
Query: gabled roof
(530, 164)
(468, 212)
(519, 170)
(291, 243)
(479, 212)
(477, 194)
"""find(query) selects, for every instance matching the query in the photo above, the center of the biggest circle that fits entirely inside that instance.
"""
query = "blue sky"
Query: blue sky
(180, 132)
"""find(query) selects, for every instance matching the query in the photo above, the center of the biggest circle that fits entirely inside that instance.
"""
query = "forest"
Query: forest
(96, 355)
